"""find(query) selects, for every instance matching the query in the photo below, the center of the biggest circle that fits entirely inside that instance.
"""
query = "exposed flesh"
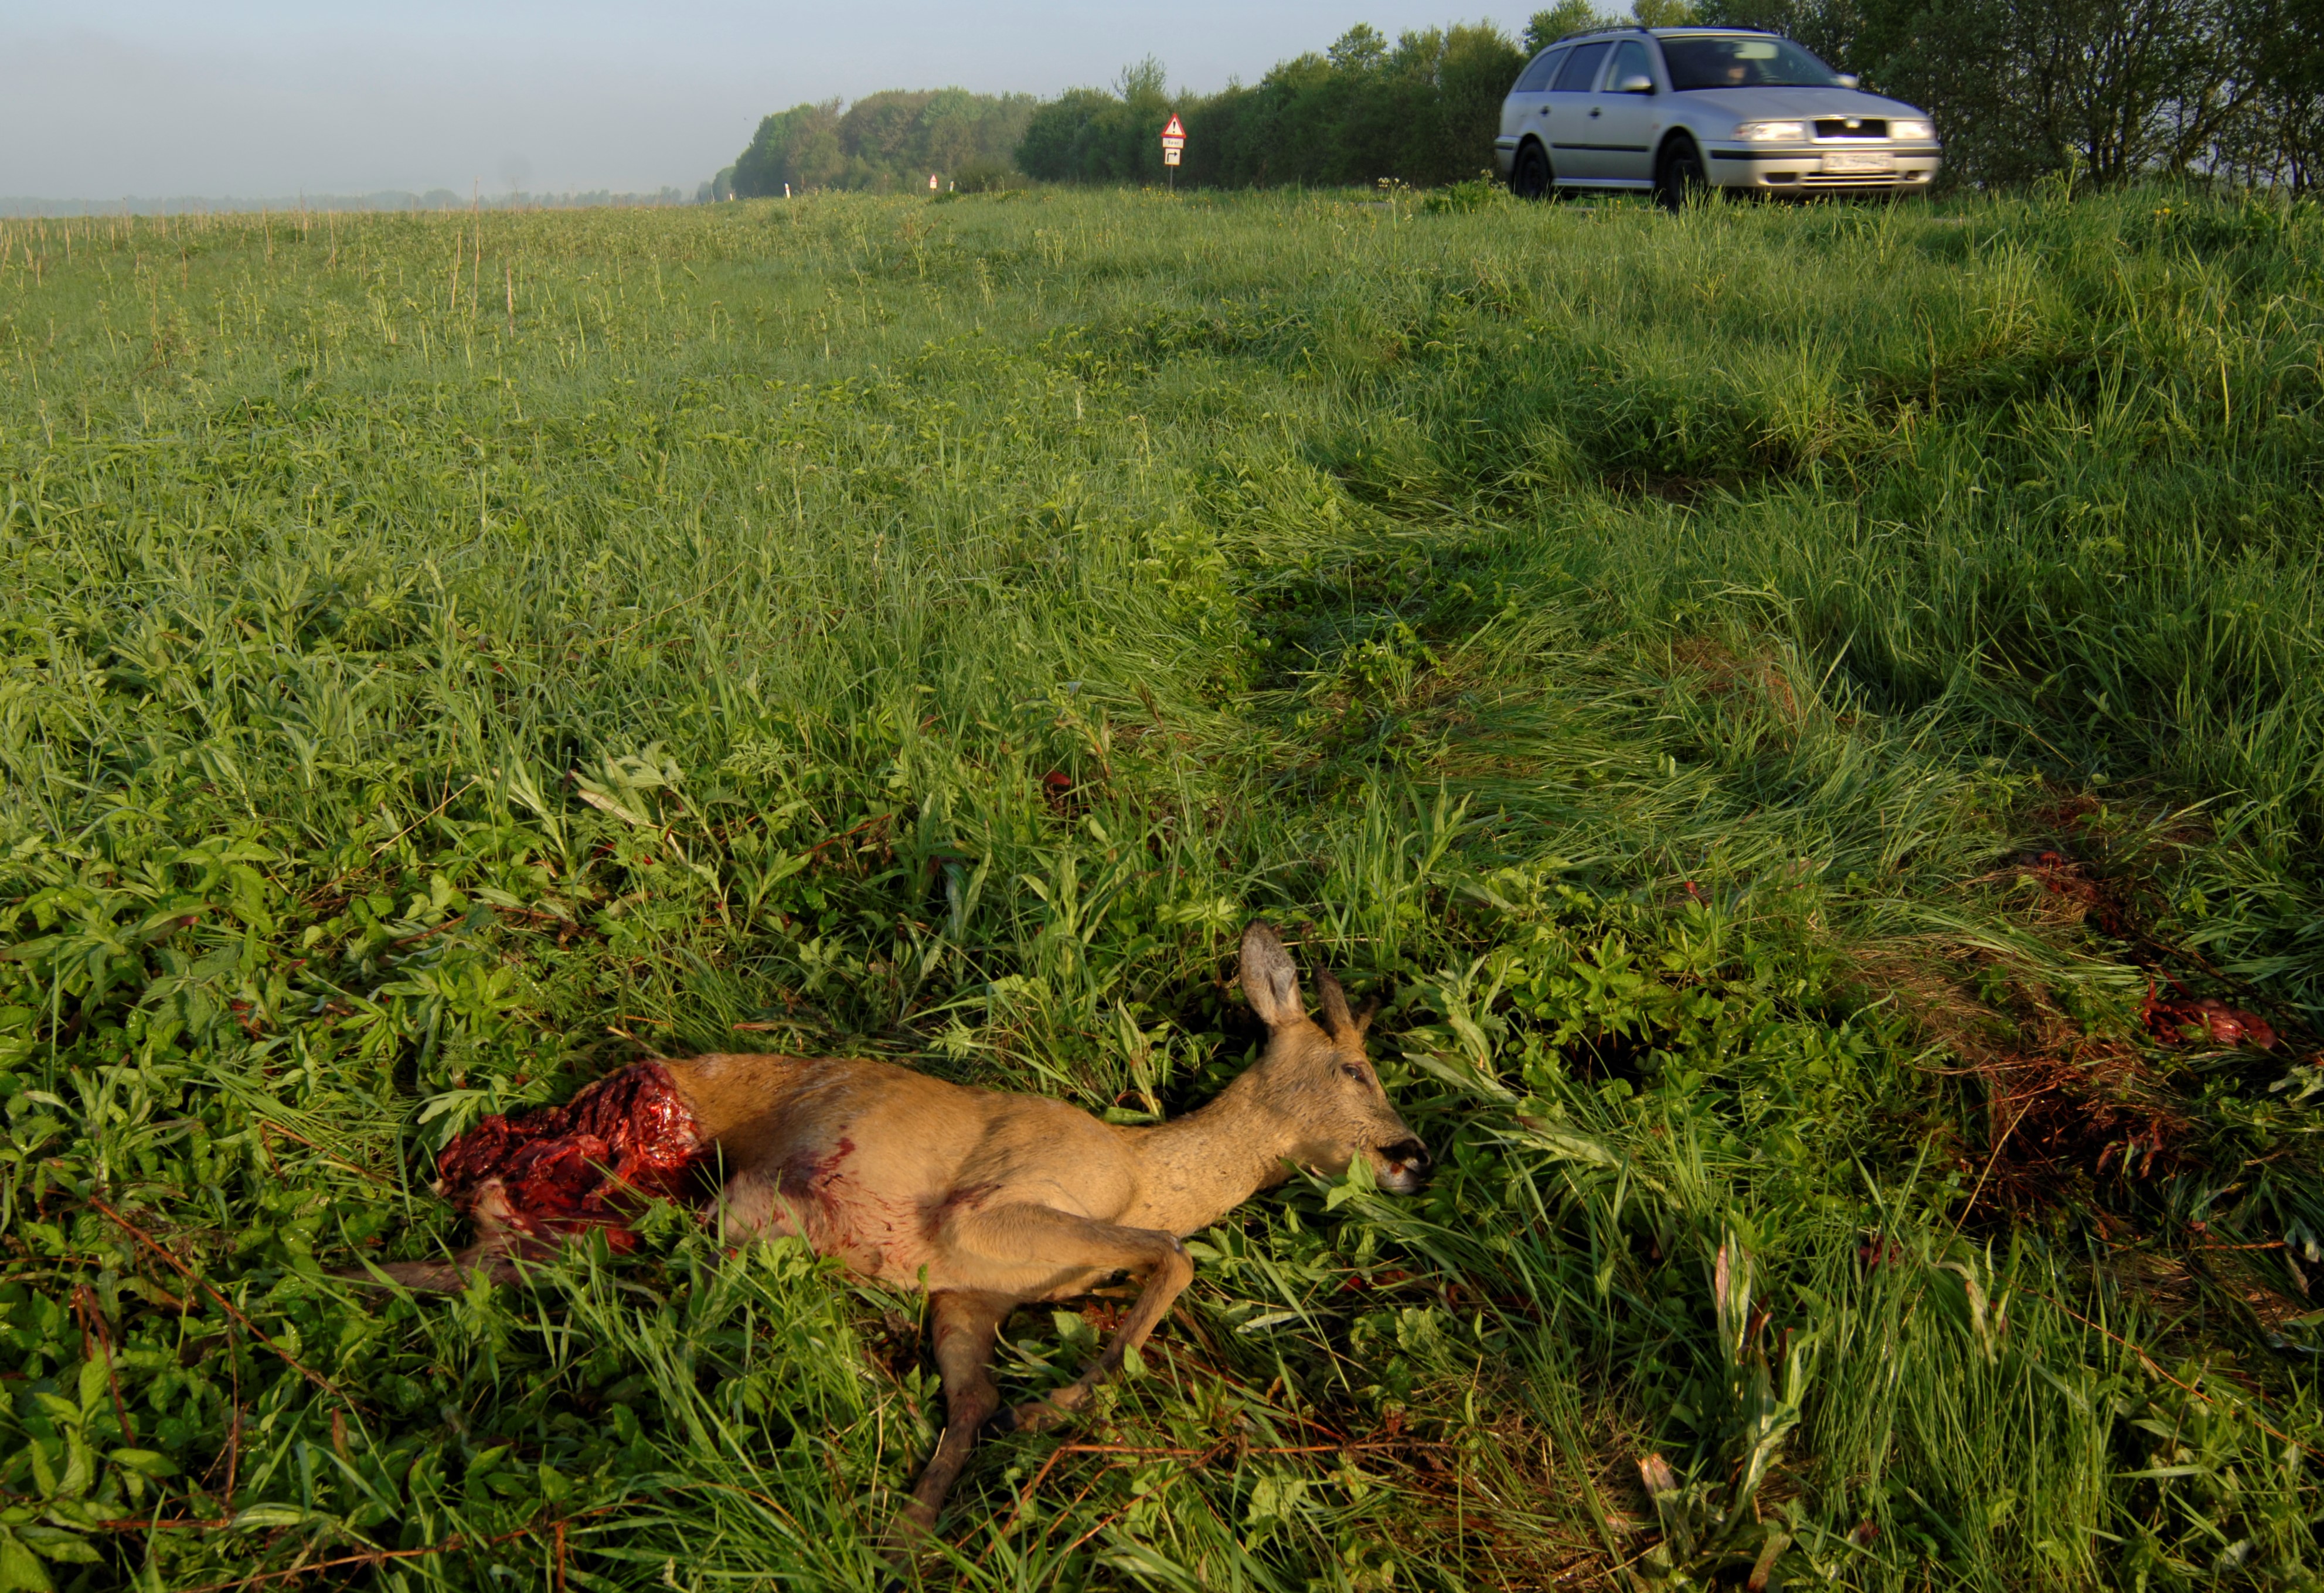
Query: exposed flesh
(590, 1163)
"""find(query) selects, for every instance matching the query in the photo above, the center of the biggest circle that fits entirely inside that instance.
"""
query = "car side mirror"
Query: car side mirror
(1636, 83)
(1849, 79)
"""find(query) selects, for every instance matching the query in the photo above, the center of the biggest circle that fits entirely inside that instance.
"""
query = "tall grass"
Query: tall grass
(1650, 651)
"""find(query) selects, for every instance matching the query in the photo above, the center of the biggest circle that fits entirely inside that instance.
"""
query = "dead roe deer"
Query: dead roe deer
(987, 1201)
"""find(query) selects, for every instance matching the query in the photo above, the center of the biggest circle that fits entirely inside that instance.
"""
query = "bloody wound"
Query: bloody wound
(591, 1162)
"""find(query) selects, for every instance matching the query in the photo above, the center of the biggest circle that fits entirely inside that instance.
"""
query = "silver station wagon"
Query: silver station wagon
(1673, 110)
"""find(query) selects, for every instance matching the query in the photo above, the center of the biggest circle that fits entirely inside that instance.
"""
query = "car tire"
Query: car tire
(1679, 174)
(1530, 177)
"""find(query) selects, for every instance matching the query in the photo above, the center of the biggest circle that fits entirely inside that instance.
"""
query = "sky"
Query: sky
(103, 98)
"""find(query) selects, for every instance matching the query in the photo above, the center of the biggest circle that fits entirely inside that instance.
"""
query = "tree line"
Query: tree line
(885, 143)
(1423, 108)
(2097, 90)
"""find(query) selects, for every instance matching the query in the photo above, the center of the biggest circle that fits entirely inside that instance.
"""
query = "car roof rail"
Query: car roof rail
(1656, 32)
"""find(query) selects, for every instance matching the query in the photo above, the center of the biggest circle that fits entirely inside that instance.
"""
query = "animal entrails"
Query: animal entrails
(988, 1201)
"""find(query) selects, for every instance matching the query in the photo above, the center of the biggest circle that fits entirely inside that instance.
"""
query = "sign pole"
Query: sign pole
(1173, 144)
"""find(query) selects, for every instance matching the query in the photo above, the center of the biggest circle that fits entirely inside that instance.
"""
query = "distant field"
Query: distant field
(1794, 709)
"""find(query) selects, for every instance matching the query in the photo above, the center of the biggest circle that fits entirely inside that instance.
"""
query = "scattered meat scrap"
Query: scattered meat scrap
(2180, 1020)
(590, 1163)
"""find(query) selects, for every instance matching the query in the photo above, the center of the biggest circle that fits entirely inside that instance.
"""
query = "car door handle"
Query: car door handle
(1545, 110)
(1593, 110)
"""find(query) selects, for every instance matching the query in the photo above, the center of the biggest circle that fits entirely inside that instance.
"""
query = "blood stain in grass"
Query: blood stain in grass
(1057, 792)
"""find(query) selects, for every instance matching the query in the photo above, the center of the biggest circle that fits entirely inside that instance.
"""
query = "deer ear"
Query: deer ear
(1364, 1015)
(1336, 1016)
(1268, 978)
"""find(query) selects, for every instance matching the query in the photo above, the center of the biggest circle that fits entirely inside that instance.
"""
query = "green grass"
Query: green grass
(1653, 652)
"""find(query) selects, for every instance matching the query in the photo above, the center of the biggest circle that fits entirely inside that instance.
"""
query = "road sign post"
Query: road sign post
(1174, 145)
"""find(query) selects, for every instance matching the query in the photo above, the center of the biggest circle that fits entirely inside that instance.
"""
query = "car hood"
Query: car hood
(1750, 104)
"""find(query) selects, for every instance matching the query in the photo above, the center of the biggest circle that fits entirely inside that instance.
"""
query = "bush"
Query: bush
(987, 176)
(1484, 191)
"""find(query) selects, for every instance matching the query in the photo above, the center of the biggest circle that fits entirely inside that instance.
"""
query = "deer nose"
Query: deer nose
(1410, 1152)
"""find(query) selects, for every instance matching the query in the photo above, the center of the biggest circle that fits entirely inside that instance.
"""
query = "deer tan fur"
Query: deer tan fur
(991, 1200)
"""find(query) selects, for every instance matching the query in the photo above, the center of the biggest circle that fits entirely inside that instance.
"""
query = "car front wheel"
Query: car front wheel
(1530, 178)
(1678, 176)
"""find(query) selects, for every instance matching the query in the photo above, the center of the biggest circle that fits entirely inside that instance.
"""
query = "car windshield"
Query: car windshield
(1744, 63)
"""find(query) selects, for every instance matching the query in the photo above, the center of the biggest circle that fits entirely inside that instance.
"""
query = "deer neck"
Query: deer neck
(1195, 1170)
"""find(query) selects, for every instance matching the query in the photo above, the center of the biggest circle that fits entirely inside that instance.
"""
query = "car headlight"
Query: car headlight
(1772, 132)
(1911, 130)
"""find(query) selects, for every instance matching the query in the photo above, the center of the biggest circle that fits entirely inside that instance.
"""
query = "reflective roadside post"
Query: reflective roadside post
(1174, 145)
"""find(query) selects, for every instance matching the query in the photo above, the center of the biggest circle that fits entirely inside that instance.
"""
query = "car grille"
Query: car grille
(1843, 127)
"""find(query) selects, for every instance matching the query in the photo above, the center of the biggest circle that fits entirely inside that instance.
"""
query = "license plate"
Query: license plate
(1860, 161)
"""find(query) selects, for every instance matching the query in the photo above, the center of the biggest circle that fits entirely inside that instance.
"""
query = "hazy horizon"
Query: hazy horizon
(258, 99)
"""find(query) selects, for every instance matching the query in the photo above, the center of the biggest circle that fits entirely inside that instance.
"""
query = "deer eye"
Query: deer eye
(1352, 1071)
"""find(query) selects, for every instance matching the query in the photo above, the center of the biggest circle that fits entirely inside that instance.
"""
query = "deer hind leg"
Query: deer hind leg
(1019, 1235)
(965, 1326)
(492, 1256)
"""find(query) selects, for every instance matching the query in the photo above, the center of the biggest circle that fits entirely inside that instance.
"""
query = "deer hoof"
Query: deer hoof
(914, 1525)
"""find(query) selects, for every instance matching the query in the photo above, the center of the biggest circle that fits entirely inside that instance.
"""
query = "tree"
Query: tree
(1094, 135)
(1567, 16)
(2106, 90)
(884, 141)
(1662, 13)
(2279, 138)
(1050, 149)
(1830, 28)
(799, 147)
(1361, 48)
(1445, 87)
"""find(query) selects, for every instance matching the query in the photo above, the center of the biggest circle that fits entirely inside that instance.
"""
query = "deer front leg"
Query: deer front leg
(1016, 1235)
(965, 1326)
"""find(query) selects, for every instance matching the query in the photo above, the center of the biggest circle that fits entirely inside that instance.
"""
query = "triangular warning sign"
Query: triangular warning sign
(1176, 129)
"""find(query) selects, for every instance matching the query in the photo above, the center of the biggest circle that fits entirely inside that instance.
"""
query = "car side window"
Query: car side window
(1629, 61)
(1535, 77)
(1582, 68)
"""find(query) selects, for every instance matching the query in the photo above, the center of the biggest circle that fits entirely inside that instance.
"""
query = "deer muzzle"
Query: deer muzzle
(1400, 1165)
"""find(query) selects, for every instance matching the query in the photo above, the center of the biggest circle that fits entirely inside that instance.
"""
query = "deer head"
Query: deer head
(1315, 1076)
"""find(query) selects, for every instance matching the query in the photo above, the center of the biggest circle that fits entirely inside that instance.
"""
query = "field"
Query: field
(1794, 710)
